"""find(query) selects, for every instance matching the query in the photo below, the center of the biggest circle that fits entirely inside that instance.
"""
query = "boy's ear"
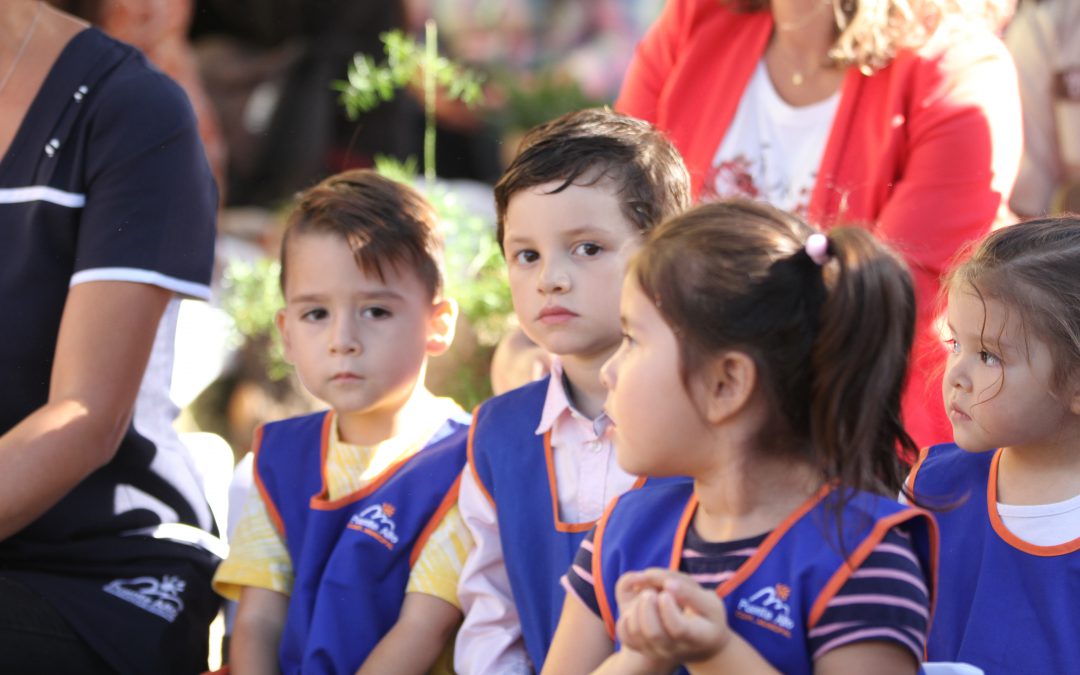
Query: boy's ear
(441, 326)
(727, 383)
(286, 342)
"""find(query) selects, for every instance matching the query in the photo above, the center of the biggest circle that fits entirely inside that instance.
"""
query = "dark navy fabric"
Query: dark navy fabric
(106, 173)
(769, 605)
(106, 178)
(148, 612)
(1002, 609)
(351, 557)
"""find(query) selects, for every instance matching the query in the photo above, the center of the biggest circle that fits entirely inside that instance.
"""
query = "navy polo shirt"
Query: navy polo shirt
(105, 179)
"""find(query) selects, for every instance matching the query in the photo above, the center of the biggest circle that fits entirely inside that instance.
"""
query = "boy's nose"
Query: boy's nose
(345, 339)
(554, 279)
(344, 347)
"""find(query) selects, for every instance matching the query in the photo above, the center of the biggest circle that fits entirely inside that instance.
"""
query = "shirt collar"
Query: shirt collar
(557, 404)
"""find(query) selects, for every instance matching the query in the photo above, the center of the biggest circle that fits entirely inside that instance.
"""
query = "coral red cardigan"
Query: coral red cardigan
(923, 152)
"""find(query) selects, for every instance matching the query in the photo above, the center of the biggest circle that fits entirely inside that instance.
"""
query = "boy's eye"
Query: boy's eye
(316, 314)
(952, 345)
(375, 313)
(627, 340)
(588, 249)
(989, 359)
(525, 257)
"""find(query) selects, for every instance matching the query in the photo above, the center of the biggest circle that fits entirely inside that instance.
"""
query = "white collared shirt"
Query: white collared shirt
(587, 478)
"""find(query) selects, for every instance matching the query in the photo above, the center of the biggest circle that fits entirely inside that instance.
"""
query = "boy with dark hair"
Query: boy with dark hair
(345, 555)
(571, 208)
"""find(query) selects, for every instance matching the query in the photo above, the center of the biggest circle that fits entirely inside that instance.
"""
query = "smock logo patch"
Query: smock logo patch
(157, 597)
(768, 608)
(377, 521)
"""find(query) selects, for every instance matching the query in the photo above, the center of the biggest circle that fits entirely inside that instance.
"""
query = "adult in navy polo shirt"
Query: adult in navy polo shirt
(106, 219)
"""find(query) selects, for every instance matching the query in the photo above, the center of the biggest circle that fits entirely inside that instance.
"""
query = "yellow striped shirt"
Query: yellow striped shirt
(258, 556)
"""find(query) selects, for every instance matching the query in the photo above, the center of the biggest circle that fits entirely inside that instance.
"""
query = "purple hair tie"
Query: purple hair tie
(817, 247)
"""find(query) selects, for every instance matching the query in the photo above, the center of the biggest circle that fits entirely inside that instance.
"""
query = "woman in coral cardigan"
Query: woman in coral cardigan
(899, 115)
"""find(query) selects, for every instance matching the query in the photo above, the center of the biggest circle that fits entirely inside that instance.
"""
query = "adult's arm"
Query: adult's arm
(106, 334)
(145, 233)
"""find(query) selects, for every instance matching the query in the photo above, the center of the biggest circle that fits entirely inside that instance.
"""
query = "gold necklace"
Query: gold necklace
(798, 75)
(22, 47)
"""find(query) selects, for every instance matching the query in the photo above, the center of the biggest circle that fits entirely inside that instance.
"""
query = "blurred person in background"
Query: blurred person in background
(901, 116)
(159, 28)
(1044, 39)
(268, 66)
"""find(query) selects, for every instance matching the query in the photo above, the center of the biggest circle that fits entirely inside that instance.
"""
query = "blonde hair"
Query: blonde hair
(871, 32)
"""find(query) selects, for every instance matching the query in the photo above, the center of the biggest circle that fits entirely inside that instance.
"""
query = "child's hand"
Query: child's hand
(668, 617)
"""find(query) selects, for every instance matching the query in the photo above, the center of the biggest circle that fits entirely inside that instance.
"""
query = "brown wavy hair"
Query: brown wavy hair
(830, 342)
(869, 33)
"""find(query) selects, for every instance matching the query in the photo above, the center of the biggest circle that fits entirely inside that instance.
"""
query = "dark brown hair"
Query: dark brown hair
(383, 221)
(830, 342)
(587, 146)
(1033, 268)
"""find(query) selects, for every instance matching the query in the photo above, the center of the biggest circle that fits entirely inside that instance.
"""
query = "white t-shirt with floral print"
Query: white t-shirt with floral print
(772, 150)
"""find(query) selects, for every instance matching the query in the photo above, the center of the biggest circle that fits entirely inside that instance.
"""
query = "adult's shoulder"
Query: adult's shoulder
(135, 80)
(960, 46)
(691, 16)
(693, 11)
(962, 80)
(135, 105)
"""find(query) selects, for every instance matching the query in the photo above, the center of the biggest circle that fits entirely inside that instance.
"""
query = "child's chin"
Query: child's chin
(635, 467)
(972, 446)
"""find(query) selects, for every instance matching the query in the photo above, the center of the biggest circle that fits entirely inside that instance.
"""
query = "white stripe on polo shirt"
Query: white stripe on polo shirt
(42, 193)
(182, 286)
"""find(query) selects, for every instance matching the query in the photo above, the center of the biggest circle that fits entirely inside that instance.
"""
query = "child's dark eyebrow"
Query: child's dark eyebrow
(367, 296)
(516, 240)
(307, 297)
(586, 230)
(384, 294)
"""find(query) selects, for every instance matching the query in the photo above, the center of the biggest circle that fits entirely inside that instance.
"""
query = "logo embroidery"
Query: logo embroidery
(377, 522)
(157, 597)
(768, 608)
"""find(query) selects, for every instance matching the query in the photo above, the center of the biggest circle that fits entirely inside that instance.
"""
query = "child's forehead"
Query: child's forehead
(994, 321)
(555, 209)
(588, 185)
(324, 262)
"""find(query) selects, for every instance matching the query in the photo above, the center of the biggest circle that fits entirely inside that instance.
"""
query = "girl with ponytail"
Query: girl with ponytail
(765, 362)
